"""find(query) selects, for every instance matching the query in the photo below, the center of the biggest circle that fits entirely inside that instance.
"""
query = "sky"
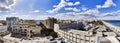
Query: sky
(60, 9)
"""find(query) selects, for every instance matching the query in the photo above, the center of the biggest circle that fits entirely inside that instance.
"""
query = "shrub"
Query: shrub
(53, 34)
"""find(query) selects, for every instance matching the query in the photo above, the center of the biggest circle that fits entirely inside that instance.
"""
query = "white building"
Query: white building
(77, 36)
(11, 21)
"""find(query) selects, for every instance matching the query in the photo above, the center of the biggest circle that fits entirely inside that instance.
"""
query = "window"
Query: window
(25, 29)
(20, 27)
(30, 31)
(15, 29)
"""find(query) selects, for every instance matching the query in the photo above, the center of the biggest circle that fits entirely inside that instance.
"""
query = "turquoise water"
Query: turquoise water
(114, 22)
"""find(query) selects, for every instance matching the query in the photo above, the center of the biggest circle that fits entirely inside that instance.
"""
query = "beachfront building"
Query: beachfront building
(96, 34)
(75, 36)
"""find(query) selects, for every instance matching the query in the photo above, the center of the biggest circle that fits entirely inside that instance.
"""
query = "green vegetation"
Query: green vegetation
(80, 26)
(52, 20)
(4, 23)
(98, 22)
(47, 32)
(4, 33)
(42, 25)
(30, 21)
(1, 41)
(53, 34)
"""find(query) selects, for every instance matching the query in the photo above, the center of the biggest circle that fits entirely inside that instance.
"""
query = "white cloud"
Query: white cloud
(73, 4)
(54, 5)
(84, 8)
(107, 4)
(62, 4)
(89, 14)
(58, 7)
(115, 13)
(36, 11)
(67, 0)
(76, 3)
(5, 5)
(24, 16)
(69, 8)
(98, 6)
(70, 3)
(14, 13)
(73, 9)
(110, 15)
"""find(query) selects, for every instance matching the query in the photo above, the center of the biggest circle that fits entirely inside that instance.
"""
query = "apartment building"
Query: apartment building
(25, 30)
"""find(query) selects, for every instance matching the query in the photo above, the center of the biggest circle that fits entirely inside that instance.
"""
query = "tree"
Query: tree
(98, 22)
(47, 31)
(42, 25)
(4, 23)
(53, 34)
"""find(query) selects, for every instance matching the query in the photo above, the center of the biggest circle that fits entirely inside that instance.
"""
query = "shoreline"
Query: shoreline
(115, 28)
(110, 24)
(113, 22)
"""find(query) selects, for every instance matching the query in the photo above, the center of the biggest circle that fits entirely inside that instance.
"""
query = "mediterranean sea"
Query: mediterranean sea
(114, 22)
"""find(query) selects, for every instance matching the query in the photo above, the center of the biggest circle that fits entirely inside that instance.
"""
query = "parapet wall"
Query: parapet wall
(76, 38)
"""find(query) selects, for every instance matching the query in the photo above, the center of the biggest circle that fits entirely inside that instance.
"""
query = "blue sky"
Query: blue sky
(61, 9)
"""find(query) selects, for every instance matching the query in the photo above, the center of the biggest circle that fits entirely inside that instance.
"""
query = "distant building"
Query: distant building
(22, 28)
(3, 27)
(25, 30)
(49, 23)
(11, 21)
(1, 24)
